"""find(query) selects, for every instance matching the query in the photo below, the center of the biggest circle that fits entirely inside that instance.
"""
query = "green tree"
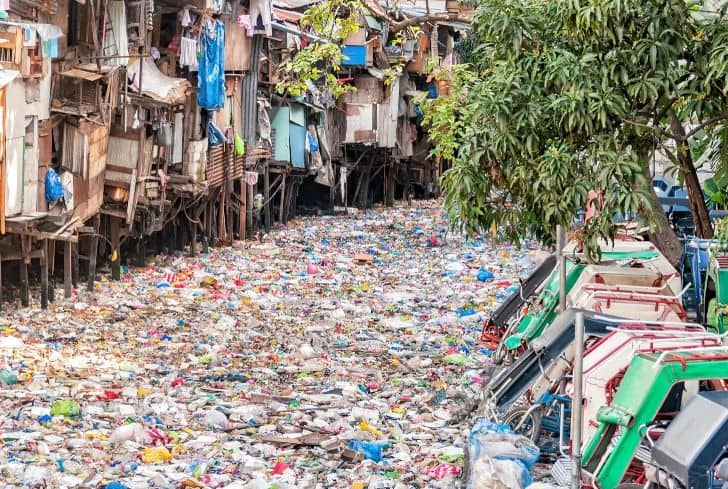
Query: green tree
(568, 96)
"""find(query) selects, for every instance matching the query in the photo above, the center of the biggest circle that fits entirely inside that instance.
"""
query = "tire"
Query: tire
(530, 427)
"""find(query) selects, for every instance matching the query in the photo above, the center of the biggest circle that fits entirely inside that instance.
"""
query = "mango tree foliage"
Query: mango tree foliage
(320, 60)
(567, 96)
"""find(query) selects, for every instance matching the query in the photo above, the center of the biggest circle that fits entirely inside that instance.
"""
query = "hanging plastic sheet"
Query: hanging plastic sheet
(215, 135)
(211, 75)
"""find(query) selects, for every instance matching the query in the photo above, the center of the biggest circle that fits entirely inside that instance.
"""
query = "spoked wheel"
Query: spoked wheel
(525, 422)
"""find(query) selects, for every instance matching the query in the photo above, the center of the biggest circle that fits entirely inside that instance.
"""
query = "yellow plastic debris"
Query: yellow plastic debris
(364, 426)
(156, 454)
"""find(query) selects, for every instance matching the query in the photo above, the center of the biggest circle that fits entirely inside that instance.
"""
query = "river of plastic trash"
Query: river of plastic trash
(338, 352)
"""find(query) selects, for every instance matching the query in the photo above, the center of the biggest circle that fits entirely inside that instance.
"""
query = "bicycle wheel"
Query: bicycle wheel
(529, 421)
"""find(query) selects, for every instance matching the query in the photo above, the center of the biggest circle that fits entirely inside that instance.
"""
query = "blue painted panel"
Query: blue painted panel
(280, 121)
(354, 55)
(298, 146)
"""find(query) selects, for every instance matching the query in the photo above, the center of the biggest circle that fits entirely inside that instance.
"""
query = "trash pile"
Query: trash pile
(339, 352)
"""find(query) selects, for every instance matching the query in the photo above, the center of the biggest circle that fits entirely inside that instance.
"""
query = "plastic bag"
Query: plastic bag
(65, 407)
(215, 135)
(239, 145)
(371, 450)
(312, 143)
(497, 440)
(488, 473)
(53, 187)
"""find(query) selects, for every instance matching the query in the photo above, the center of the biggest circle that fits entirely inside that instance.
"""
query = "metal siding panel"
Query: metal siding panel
(298, 146)
(280, 122)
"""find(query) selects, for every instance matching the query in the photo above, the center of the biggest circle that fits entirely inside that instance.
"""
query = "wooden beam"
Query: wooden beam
(67, 268)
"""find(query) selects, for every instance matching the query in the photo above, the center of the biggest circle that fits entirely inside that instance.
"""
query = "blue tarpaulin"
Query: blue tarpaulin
(211, 75)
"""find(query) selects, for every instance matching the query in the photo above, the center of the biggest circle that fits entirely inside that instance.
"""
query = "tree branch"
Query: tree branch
(705, 124)
(656, 129)
(398, 25)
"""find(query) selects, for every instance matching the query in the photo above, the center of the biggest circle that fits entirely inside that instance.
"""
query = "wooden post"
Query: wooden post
(44, 274)
(67, 268)
(76, 264)
(193, 238)
(51, 269)
(205, 233)
(249, 209)
(92, 252)
(266, 197)
(242, 215)
(24, 285)
(283, 198)
(115, 224)
(141, 258)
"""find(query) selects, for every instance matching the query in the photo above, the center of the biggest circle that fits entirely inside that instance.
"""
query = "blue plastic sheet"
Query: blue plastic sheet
(53, 187)
(215, 135)
(211, 74)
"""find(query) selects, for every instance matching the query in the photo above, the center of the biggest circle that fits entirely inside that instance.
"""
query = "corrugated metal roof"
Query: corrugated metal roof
(373, 23)
(286, 15)
(293, 4)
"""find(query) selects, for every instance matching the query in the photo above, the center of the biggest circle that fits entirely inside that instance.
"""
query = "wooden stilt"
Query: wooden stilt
(283, 199)
(242, 214)
(1, 281)
(193, 238)
(203, 226)
(75, 267)
(266, 196)
(67, 268)
(141, 255)
(93, 251)
(115, 224)
(51, 270)
(44, 274)
(24, 285)
(249, 209)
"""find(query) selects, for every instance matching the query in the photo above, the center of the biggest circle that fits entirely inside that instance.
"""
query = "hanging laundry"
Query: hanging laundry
(49, 35)
(251, 177)
(211, 77)
(188, 53)
(260, 17)
(245, 23)
(186, 19)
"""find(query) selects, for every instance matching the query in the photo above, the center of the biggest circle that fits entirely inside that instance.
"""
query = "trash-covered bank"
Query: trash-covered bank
(339, 352)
